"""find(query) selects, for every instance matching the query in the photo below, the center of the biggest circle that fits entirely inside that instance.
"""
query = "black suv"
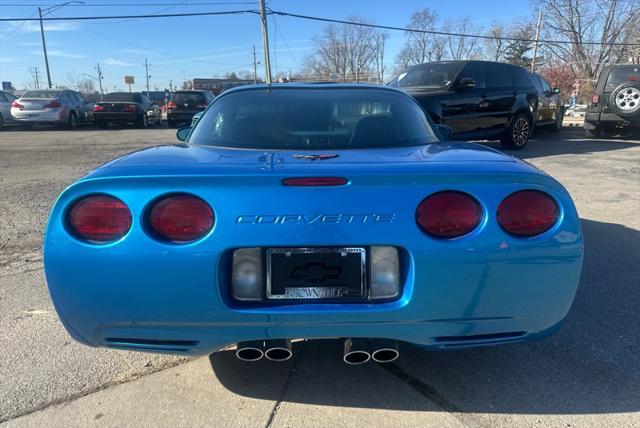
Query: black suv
(479, 100)
(615, 103)
(185, 104)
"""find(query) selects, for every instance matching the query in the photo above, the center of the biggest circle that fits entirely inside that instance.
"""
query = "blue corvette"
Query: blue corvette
(312, 211)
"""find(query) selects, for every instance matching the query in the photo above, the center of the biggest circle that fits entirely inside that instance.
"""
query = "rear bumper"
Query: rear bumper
(121, 117)
(592, 119)
(38, 116)
(178, 116)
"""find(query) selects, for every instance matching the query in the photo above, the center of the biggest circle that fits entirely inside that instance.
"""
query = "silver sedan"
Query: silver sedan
(61, 107)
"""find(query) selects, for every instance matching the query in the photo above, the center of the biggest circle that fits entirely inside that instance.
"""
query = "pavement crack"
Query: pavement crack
(285, 388)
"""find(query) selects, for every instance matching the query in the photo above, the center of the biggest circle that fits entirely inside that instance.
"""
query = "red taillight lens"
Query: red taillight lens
(171, 104)
(527, 213)
(315, 181)
(98, 108)
(130, 108)
(99, 218)
(16, 104)
(53, 104)
(448, 214)
(595, 99)
(181, 218)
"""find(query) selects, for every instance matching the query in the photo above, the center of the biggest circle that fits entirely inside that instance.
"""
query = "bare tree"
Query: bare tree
(495, 47)
(461, 47)
(79, 83)
(347, 52)
(421, 47)
(610, 22)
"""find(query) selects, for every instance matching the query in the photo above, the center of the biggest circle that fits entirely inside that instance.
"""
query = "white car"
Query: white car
(61, 107)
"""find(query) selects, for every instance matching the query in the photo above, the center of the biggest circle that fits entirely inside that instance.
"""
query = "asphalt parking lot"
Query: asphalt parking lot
(586, 375)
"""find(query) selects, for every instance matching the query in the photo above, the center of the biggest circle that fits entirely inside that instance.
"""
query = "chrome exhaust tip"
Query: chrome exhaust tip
(384, 350)
(250, 351)
(278, 349)
(356, 351)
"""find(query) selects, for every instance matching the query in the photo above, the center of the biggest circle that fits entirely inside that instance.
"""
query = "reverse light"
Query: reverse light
(99, 219)
(385, 272)
(527, 213)
(315, 181)
(246, 276)
(448, 214)
(180, 218)
(16, 104)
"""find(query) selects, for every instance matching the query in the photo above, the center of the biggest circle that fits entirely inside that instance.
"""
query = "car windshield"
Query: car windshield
(430, 75)
(189, 98)
(314, 119)
(122, 96)
(620, 75)
(41, 94)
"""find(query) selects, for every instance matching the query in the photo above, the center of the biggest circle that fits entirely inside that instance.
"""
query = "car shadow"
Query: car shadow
(571, 140)
(591, 366)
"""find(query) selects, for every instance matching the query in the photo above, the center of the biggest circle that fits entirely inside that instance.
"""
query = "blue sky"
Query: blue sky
(188, 47)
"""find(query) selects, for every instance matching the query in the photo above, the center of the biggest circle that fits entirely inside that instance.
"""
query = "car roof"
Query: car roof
(312, 86)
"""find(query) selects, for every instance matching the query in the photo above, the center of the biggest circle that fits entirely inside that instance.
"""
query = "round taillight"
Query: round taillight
(448, 214)
(180, 218)
(99, 218)
(527, 213)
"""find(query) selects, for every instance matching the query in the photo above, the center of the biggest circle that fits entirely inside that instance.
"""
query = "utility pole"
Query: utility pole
(255, 66)
(100, 76)
(44, 48)
(265, 44)
(535, 44)
(146, 72)
(36, 76)
(170, 85)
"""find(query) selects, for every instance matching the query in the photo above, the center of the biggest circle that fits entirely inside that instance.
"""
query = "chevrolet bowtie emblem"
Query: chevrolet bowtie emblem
(315, 157)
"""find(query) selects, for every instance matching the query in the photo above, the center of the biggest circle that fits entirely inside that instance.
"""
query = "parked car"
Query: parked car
(5, 108)
(615, 104)
(126, 108)
(550, 104)
(52, 106)
(479, 100)
(184, 104)
(196, 118)
(312, 211)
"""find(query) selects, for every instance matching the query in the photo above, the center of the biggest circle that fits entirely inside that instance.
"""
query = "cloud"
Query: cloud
(37, 44)
(117, 62)
(59, 54)
(137, 51)
(34, 27)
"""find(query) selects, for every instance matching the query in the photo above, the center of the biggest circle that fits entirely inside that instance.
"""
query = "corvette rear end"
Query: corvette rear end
(191, 248)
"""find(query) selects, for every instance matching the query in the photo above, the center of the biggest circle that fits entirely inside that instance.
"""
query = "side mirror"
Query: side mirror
(445, 131)
(556, 90)
(183, 133)
(467, 82)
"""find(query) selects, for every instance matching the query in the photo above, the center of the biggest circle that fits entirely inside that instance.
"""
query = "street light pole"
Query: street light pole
(265, 44)
(44, 48)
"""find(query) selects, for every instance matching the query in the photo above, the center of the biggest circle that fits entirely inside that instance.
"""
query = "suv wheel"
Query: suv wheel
(557, 126)
(625, 99)
(517, 136)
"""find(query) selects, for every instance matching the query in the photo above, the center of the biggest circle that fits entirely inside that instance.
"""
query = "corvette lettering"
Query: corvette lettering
(386, 218)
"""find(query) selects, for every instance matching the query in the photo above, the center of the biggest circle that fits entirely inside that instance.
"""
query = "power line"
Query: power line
(439, 33)
(132, 4)
(163, 15)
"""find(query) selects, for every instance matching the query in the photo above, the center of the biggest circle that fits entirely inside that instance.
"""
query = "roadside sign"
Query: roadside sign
(128, 80)
(6, 86)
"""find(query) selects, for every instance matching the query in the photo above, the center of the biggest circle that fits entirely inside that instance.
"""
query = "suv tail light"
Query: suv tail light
(53, 104)
(448, 214)
(180, 218)
(595, 99)
(99, 219)
(171, 104)
(130, 108)
(16, 104)
(527, 213)
(98, 108)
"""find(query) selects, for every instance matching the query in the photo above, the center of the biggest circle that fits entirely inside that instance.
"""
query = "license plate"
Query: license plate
(316, 273)
(33, 116)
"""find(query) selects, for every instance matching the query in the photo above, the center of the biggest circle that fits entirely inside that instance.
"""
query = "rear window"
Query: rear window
(123, 97)
(620, 75)
(189, 98)
(313, 119)
(41, 94)
(430, 75)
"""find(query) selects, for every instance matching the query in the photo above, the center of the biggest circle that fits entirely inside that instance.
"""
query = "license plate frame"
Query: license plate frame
(305, 292)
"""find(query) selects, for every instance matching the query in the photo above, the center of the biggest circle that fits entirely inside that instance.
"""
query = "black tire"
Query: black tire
(101, 125)
(557, 125)
(1, 122)
(72, 122)
(143, 121)
(172, 124)
(517, 135)
(625, 100)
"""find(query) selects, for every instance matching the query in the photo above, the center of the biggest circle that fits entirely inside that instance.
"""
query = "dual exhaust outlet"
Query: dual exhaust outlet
(356, 350)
